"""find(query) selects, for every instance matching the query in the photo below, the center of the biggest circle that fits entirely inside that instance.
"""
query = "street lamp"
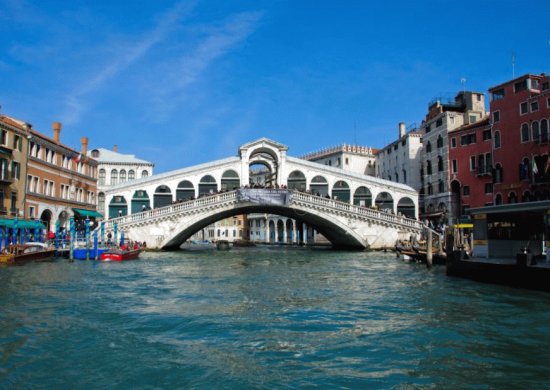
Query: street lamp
(26, 126)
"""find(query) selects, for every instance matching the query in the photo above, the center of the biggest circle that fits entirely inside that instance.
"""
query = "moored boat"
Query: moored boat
(120, 254)
(30, 251)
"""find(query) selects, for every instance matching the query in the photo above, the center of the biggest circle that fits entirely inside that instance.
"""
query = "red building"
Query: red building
(470, 162)
(520, 114)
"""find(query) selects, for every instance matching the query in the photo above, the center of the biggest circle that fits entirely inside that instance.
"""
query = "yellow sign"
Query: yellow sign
(480, 242)
(480, 216)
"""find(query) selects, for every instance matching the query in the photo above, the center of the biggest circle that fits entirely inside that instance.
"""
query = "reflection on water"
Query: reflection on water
(266, 318)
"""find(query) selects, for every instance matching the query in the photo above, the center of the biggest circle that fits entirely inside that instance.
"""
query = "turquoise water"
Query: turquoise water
(266, 318)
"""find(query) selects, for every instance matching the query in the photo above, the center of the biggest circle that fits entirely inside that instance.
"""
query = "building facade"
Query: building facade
(436, 200)
(353, 158)
(520, 117)
(115, 168)
(61, 181)
(400, 161)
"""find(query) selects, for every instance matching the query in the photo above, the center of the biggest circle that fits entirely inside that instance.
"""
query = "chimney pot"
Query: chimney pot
(402, 129)
(115, 148)
(56, 131)
(84, 142)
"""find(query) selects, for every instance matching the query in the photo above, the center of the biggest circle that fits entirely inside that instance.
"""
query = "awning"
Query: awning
(88, 213)
(22, 224)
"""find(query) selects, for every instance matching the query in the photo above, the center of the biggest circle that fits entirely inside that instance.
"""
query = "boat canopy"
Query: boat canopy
(21, 223)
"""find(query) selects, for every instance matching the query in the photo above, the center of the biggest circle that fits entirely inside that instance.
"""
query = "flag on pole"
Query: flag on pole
(535, 168)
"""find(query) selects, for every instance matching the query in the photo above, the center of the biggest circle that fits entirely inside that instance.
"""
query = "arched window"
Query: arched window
(101, 202)
(535, 130)
(131, 174)
(429, 167)
(525, 132)
(122, 175)
(102, 175)
(498, 173)
(429, 147)
(439, 141)
(496, 139)
(114, 177)
(430, 189)
(512, 197)
(440, 187)
(544, 131)
(440, 164)
(144, 173)
(397, 177)
(498, 199)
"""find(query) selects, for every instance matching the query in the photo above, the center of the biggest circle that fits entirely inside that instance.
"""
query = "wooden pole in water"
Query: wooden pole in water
(429, 257)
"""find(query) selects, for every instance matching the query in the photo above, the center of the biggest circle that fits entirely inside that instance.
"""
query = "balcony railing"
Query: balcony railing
(485, 171)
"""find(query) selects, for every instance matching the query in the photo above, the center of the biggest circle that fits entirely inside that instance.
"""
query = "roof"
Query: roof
(526, 75)
(542, 205)
(480, 123)
(109, 156)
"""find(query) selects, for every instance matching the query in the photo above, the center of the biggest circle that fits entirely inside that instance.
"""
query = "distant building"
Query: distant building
(436, 201)
(115, 168)
(354, 158)
(400, 161)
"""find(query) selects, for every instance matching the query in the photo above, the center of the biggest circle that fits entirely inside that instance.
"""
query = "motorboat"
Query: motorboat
(30, 251)
(120, 254)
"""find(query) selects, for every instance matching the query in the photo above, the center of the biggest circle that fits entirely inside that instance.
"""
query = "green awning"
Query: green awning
(88, 213)
(22, 224)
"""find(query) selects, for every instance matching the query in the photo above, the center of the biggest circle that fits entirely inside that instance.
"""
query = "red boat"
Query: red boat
(119, 254)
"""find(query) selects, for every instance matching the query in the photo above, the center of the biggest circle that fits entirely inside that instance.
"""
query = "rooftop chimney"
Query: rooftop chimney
(84, 141)
(115, 148)
(56, 131)
(402, 130)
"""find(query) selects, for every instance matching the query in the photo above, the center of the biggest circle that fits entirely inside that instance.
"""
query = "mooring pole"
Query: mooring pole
(429, 255)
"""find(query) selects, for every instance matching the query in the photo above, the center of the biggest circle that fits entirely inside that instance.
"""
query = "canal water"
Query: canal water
(266, 318)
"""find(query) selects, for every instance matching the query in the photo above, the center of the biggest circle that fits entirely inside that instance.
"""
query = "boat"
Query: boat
(30, 251)
(223, 245)
(120, 254)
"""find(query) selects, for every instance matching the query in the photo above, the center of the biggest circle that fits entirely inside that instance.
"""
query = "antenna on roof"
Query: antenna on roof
(355, 132)
(513, 65)
(463, 82)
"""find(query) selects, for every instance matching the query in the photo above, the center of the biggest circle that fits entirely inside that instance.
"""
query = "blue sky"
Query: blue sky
(185, 82)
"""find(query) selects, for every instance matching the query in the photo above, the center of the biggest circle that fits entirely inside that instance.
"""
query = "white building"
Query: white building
(444, 116)
(400, 161)
(116, 168)
(354, 158)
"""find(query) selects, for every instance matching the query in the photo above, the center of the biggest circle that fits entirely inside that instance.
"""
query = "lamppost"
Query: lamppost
(26, 126)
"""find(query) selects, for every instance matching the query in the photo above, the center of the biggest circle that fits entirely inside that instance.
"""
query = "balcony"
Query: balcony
(5, 179)
(541, 139)
(14, 212)
(484, 171)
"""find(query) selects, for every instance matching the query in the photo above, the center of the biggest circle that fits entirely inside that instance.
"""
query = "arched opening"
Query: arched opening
(290, 233)
(230, 180)
(406, 207)
(280, 231)
(341, 191)
(512, 197)
(263, 167)
(498, 199)
(272, 231)
(118, 207)
(140, 201)
(46, 219)
(162, 197)
(207, 185)
(296, 181)
(526, 196)
(185, 190)
(319, 186)
(63, 220)
(362, 197)
(384, 201)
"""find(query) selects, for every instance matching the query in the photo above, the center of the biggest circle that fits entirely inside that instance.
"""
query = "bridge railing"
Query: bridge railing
(343, 206)
(172, 209)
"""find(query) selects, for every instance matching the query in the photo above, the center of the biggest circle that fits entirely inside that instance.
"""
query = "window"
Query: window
(439, 122)
(440, 186)
(430, 189)
(440, 141)
(488, 188)
(534, 106)
(428, 128)
(523, 108)
(455, 166)
(429, 147)
(498, 174)
(466, 190)
(472, 118)
(101, 177)
(440, 164)
(17, 143)
(404, 176)
(3, 137)
(548, 102)
(15, 170)
(144, 173)
(520, 86)
(498, 94)
(122, 175)
(535, 83)
(429, 167)
(544, 131)
(347, 161)
(525, 132)
(468, 139)
(497, 139)
(472, 163)
(535, 130)
(131, 174)
(114, 177)
(486, 135)
(496, 116)
(545, 86)
(395, 146)
(453, 142)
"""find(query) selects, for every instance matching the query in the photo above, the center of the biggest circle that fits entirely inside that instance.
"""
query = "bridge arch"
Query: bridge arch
(162, 196)
(118, 207)
(185, 190)
(362, 197)
(140, 201)
(341, 191)
(230, 180)
(207, 185)
(319, 185)
(297, 181)
(384, 201)
(406, 207)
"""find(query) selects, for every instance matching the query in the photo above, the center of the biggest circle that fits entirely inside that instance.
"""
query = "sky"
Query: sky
(180, 83)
